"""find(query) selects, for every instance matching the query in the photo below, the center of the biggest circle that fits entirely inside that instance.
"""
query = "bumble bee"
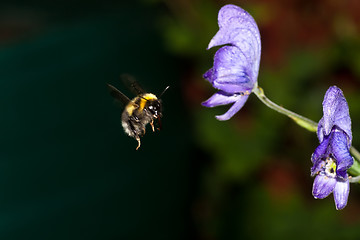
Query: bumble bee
(138, 112)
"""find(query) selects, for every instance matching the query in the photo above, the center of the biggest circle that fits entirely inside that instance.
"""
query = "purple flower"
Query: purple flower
(332, 158)
(236, 65)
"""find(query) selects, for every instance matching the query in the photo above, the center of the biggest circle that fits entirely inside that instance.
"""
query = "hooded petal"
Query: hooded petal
(336, 113)
(221, 98)
(321, 150)
(323, 186)
(239, 29)
(234, 108)
(230, 72)
(340, 150)
(341, 194)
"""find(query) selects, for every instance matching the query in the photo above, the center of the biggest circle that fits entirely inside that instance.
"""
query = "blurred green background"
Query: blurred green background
(67, 170)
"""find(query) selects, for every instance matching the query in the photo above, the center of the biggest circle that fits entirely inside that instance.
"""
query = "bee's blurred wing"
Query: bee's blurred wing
(132, 84)
(119, 96)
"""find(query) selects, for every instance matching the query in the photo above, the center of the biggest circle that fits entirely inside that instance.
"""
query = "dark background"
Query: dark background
(67, 170)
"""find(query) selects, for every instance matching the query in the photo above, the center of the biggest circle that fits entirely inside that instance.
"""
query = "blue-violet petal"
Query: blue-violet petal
(233, 109)
(341, 194)
(221, 98)
(323, 186)
(229, 73)
(336, 113)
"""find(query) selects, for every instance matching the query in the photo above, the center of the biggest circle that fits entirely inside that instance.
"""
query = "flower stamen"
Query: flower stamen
(330, 167)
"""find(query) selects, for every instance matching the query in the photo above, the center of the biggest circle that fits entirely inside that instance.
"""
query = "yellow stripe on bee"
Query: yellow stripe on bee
(138, 103)
(144, 98)
(130, 107)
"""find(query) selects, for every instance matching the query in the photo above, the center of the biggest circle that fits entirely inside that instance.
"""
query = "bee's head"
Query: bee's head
(155, 108)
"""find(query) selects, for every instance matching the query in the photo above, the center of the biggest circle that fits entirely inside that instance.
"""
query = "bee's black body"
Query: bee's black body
(139, 111)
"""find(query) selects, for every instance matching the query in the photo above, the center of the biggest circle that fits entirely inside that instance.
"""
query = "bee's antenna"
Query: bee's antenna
(164, 91)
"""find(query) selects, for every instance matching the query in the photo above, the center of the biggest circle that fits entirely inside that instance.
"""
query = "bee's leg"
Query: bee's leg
(139, 143)
(152, 125)
(132, 128)
(135, 134)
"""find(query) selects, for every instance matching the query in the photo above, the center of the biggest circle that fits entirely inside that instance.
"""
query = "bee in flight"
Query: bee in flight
(138, 112)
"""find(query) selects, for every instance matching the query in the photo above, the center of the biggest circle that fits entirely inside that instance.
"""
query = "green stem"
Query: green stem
(300, 120)
(355, 168)
(355, 153)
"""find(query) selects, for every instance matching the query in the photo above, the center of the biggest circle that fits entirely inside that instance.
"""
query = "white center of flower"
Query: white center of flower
(330, 167)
